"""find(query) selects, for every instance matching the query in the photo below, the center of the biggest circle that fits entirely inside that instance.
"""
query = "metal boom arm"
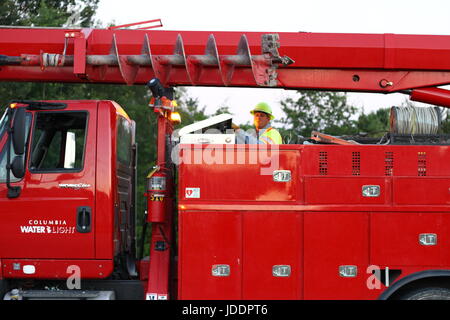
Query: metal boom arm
(347, 62)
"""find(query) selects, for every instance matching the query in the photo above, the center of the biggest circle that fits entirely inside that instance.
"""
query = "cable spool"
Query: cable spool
(415, 120)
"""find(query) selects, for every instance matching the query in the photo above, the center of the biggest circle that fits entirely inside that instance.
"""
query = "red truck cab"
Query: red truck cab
(76, 205)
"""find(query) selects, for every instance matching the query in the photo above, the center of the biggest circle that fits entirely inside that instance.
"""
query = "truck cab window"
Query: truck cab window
(3, 122)
(124, 142)
(58, 141)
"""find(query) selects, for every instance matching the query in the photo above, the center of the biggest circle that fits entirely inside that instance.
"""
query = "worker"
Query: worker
(264, 132)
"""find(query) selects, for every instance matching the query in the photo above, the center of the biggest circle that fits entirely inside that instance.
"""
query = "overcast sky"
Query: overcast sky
(344, 16)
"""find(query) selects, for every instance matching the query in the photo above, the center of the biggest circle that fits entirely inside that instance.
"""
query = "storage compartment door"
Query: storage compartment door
(210, 255)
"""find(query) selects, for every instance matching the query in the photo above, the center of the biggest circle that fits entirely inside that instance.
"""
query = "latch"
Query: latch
(220, 270)
(84, 217)
(348, 271)
(281, 271)
(428, 239)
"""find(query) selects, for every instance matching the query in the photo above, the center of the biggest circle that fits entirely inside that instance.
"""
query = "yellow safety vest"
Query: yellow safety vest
(271, 136)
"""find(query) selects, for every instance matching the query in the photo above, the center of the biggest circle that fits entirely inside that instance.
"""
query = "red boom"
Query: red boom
(349, 62)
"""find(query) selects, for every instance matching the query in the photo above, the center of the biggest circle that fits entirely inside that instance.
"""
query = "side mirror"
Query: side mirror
(18, 136)
(17, 167)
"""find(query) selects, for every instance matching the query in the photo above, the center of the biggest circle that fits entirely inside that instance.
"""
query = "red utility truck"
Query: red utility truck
(341, 220)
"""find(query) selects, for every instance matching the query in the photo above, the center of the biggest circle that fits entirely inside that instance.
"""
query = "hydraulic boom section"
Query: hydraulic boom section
(79, 52)
(325, 61)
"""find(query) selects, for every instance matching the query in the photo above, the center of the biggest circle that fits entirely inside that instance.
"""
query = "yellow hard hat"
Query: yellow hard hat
(263, 107)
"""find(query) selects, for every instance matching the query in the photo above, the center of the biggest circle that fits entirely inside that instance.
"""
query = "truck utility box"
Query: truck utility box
(334, 211)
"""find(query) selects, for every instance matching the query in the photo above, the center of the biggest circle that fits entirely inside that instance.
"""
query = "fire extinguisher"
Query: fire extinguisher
(157, 196)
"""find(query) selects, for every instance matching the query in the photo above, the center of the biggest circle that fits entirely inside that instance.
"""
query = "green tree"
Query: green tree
(375, 123)
(222, 109)
(446, 121)
(47, 13)
(134, 99)
(323, 111)
(188, 107)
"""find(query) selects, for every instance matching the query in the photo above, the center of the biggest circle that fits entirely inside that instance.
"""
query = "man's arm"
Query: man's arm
(243, 137)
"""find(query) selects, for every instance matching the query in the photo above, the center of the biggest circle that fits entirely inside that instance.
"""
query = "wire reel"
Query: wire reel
(415, 120)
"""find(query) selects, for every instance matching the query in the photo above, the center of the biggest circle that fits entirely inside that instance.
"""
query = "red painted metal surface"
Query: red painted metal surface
(236, 217)
(107, 240)
(349, 189)
(253, 246)
(355, 62)
(393, 235)
(435, 96)
(272, 239)
(201, 236)
(431, 191)
(50, 211)
(43, 220)
(231, 162)
(326, 224)
(334, 239)
(57, 269)
(162, 240)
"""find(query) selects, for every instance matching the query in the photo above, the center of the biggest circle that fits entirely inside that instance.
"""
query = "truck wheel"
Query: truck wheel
(428, 294)
(3, 288)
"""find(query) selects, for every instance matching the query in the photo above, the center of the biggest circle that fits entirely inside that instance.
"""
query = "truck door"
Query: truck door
(54, 214)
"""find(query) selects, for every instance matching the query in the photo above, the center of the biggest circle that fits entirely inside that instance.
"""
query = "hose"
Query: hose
(415, 120)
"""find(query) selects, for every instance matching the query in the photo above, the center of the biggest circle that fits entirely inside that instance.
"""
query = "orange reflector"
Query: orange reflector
(13, 105)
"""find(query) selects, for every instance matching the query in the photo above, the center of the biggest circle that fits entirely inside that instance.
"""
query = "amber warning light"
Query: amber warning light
(175, 117)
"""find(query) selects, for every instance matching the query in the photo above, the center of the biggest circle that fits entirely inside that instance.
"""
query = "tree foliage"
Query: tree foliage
(46, 13)
(329, 112)
(54, 13)
(375, 123)
(446, 121)
(189, 108)
(322, 111)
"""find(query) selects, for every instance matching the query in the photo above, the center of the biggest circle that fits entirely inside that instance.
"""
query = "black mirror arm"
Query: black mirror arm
(13, 192)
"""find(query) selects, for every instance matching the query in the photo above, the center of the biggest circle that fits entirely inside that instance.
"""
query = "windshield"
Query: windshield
(3, 122)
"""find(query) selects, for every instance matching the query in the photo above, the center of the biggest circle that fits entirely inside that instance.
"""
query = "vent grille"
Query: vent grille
(323, 163)
(356, 163)
(421, 164)
(389, 164)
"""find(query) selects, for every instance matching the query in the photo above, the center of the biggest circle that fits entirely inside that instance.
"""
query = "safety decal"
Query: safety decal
(192, 193)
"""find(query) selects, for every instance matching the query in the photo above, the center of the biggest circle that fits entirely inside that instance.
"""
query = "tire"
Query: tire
(428, 294)
(3, 288)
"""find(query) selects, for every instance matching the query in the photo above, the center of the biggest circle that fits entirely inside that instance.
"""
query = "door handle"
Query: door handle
(84, 217)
